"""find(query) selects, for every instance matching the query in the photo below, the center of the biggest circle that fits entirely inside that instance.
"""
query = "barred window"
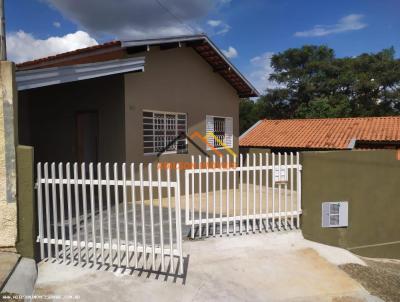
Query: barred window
(161, 130)
(219, 131)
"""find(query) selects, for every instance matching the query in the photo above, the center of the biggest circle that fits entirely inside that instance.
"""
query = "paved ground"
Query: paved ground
(221, 206)
(260, 267)
(8, 260)
(280, 198)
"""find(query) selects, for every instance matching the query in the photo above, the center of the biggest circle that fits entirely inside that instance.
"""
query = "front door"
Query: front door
(87, 136)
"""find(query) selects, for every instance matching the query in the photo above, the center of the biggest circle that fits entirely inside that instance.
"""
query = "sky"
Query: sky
(249, 32)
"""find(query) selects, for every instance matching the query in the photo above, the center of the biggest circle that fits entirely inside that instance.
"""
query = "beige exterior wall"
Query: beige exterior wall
(176, 80)
(8, 206)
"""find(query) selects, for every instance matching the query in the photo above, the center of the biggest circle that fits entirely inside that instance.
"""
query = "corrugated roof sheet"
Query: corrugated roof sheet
(330, 133)
(35, 78)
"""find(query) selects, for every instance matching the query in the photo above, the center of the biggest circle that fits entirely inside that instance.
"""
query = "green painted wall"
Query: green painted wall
(26, 202)
(370, 182)
(251, 150)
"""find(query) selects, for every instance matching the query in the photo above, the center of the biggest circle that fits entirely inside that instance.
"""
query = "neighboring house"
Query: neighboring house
(125, 101)
(324, 134)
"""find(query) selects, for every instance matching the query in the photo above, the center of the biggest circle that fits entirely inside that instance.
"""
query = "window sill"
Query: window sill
(165, 153)
(220, 148)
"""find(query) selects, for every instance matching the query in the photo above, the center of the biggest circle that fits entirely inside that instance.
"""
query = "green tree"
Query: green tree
(313, 83)
(248, 114)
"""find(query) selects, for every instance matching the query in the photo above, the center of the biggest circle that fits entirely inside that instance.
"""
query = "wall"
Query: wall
(253, 150)
(26, 202)
(48, 118)
(8, 107)
(369, 181)
(176, 80)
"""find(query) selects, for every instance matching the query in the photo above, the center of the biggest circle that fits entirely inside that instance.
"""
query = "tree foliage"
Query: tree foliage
(313, 83)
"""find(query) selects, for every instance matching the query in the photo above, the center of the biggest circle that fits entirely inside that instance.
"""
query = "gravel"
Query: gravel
(380, 277)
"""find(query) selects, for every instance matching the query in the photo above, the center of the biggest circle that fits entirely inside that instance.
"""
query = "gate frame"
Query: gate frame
(240, 169)
(46, 201)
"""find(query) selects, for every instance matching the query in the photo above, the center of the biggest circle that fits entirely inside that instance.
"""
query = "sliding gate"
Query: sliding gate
(258, 192)
(116, 216)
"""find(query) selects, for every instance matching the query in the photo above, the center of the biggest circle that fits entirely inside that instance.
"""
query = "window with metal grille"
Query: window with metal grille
(219, 131)
(160, 132)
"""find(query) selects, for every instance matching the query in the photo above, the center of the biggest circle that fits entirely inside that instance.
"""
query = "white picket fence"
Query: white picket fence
(87, 215)
(263, 192)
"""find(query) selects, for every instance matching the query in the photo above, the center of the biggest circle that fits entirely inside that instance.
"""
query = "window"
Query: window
(335, 214)
(222, 130)
(161, 130)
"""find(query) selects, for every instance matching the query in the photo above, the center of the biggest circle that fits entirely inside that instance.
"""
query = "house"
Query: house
(125, 101)
(324, 134)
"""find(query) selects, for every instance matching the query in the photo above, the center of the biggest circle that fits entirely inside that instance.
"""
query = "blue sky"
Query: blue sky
(250, 31)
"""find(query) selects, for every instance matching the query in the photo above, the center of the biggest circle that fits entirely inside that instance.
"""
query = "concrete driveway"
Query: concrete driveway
(258, 267)
(287, 204)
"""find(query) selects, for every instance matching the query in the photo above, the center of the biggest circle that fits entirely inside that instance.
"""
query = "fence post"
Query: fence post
(298, 188)
(26, 202)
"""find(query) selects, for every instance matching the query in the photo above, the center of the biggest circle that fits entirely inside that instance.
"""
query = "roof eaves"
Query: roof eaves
(29, 79)
(254, 90)
(190, 38)
(249, 130)
(133, 43)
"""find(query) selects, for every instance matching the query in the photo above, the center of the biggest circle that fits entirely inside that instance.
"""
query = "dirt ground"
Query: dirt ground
(381, 277)
(9, 297)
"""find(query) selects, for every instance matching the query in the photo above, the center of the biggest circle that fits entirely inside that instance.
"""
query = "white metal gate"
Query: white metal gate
(97, 215)
(263, 192)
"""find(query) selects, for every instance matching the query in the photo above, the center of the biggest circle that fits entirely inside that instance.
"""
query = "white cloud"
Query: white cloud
(223, 29)
(57, 24)
(22, 46)
(214, 23)
(260, 72)
(137, 19)
(230, 53)
(348, 23)
(218, 27)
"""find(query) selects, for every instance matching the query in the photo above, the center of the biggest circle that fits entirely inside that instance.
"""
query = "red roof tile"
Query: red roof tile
(89, 49)
(333, 133)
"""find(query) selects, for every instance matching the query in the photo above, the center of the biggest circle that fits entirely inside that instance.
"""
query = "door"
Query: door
(87, 136)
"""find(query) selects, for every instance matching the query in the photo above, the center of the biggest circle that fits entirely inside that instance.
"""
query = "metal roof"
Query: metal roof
(28, 79)
(211, 53)
(157, 41)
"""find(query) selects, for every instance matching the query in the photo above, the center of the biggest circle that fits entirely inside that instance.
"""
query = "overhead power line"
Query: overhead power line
(175, 16)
